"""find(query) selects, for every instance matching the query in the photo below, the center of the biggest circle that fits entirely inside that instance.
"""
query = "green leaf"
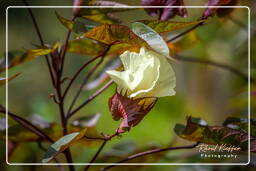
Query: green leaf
(66, 22)
(214, 135)
(3, 81)
(168, 26)
(97, 16)
(113, 34)
(62, 144)
(17, 57)
(84, 47)
(241, 124)
(75, 26)
(151, 37)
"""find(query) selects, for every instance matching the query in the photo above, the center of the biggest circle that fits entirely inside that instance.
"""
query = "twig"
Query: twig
(213, 63)
(84, 82)
(95, 138)
(145, 153)
(90, 99)
(82, 68)
(41, 41)
(27, 125)
(78, 72)
(96, 155)
(185, 32)
(63, 54)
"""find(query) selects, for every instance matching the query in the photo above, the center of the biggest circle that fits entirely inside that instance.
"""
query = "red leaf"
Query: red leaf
(132, 111)
(165, 13)
(211, 11)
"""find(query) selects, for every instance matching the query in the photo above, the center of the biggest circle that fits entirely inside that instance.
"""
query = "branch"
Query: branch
(41, 40)
(82, 68)
(26, 124)
(145, 153)
(63, 54)
(96, 155)
(213, 63)
(185, 32)
(84, 83)
(90, 99)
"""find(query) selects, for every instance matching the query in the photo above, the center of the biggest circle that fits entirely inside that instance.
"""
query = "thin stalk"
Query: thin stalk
(27, 125)
(96, 154)
(84, 83)
(185, 32)
(83, 67)
(216, 64)
(41, 41)
(78, 72)
(149, 152)
(97, 93)
(63, 54)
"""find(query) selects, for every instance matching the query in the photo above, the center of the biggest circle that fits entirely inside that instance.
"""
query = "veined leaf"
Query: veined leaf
(118, 49)
(113, 34)
(16, 58)
(4, 80)
(66, 22)
(75, 26)
(241, 124)
(62, 144)
(168, 26)
(214, 135)
(84, 47)
(97, 16)
(151, 37)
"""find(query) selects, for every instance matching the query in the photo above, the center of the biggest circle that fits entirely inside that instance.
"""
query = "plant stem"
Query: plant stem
(90, 99)
(185, 32)
(63, 52)
(96, 154)
(83, 67)
(56, 83)
(27, 125)
(78, 72)
(41, 41)
(84, 83)
(145, 153)
(216, 64)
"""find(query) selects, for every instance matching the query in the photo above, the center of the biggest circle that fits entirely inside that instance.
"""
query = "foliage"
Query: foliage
(102, 35)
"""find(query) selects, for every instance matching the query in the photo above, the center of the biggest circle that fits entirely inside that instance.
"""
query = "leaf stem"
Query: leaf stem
(216, 64)
(26, 124)
(185, 32)
(149, 152)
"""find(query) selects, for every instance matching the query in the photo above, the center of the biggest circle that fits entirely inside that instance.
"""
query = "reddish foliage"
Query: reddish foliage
(221, 11)
(165, 13)
(131, 110)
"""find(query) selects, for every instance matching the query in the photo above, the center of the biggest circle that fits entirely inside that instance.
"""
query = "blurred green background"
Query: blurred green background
(202, 91)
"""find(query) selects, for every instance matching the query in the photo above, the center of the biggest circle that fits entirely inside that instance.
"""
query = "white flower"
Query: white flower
(146, 74)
